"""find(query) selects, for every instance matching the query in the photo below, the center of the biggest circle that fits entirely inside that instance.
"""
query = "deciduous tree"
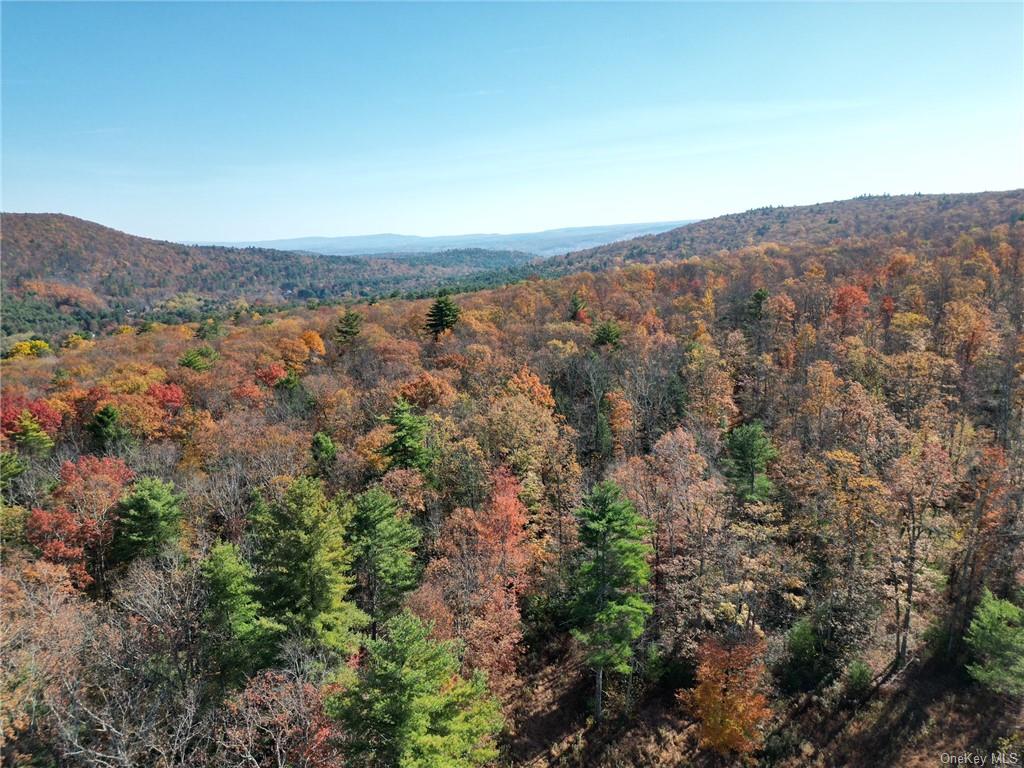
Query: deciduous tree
(728, 698)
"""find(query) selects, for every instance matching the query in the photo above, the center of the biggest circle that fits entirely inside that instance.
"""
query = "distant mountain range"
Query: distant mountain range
(551, 242)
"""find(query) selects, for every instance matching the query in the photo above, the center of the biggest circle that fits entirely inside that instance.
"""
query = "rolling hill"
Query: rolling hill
(915, 217)
(61, 272)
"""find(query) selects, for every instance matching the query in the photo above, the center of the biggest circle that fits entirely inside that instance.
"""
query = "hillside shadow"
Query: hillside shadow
(557, 708)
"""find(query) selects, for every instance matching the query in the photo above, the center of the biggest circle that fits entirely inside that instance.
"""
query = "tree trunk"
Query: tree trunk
(598, 691)
(911, 567)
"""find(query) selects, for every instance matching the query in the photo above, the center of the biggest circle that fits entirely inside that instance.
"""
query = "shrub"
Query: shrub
(858, 680)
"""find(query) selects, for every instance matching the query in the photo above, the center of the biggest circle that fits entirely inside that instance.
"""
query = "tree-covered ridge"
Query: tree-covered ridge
(915, 217)
(763, 505)
(65, 273)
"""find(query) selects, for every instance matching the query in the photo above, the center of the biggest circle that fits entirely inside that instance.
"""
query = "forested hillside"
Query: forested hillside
(65, 274)
(757, 499)
(920, 217)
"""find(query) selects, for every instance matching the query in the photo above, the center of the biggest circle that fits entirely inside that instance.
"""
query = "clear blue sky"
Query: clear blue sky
(202, 121)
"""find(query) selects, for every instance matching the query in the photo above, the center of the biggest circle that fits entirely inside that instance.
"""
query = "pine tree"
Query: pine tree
(11, 466)
(303, 565)
(408, 447)
(607, 334)
(411, 708)
(199, 359)
(750, 449)
(578, 307)
(150, 519)
(610, 607)
(210, 329)
(443, 314)
(30, 437)
(383, 544)
(754, 320)
(996, 640)
(324, 452)
(241, 640)
(106, 429)
(350, 325)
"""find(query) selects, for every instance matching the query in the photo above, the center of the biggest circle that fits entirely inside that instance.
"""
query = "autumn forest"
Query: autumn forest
(750, 491)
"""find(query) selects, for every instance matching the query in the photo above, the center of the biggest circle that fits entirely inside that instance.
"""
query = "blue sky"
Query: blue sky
(210, 121)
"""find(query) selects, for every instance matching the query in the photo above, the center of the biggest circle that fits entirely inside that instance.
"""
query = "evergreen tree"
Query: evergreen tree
(350, 325)
(577, 307)
(324, 452)
(411, 708)
(210, 329)
(241, 641)
(610, 607)
(607, 334)
(106, 429)
(150, 518)
(750, 449)
(443, 314)
(408, 446)
(383, 544)
(293, 395)
(30, 437)
(754, 320)
(11, 466)
(303, 565)
(199, 358)
(755, 308)
(996, 640)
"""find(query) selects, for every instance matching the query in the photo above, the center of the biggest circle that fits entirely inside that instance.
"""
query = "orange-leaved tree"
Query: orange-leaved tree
(728, 698)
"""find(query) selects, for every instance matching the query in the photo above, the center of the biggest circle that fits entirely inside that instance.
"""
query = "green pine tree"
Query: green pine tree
(408, 447)
(754, 321)
(610, 607)
(210, 329)
(350, 324)
(750, 449)
(150, 519)
(411, 709)
(30, 437)
(607, 334)
(755, 309)
(996, 640)
(443, 314)
(383, 547)
(11, 466)
(324, 452)
(577, 306)
(106, 429)
(240, 640)
(303, 566)
(199, 358)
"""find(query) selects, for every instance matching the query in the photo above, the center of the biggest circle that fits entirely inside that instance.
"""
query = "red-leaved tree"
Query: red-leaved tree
(78, 529)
